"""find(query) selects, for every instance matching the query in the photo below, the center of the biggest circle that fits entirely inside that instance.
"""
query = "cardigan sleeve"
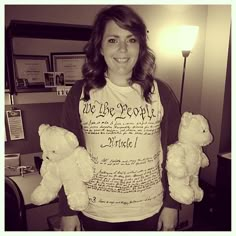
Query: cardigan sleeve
(70, 120)
(169, 134)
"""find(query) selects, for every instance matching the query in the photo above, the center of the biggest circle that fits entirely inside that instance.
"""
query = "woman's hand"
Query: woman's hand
(70, 223)
(168, 219)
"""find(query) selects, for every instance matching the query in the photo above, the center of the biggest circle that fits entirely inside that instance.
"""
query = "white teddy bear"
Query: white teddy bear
(65, 164)
(185, 157)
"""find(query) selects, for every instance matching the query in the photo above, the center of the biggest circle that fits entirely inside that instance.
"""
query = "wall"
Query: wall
(214, 77)
(206, 65)
(225, 139)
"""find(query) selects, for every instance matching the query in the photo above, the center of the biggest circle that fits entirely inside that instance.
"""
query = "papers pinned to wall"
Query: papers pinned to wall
(15, 124)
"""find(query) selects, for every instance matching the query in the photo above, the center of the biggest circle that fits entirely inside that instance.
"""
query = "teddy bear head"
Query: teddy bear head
(56, 142)
(194, 129)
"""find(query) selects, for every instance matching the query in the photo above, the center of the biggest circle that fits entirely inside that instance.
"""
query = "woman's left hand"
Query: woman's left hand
(168, 219)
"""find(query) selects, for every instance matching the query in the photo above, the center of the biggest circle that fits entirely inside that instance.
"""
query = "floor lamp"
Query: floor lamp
(187, 37)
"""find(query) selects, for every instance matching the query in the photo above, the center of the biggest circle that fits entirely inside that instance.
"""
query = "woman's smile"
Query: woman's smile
(121, 60)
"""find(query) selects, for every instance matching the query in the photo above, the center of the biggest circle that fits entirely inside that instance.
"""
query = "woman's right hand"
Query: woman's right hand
(70, 223)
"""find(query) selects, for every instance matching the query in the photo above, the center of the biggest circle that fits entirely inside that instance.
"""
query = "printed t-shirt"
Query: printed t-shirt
(122, 135)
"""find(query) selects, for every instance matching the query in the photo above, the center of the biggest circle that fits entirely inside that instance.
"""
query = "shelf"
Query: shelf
(29, 29)
(40, 30)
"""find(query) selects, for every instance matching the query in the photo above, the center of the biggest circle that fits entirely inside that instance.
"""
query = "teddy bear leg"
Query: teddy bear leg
(198, 195)
(198, 192)
(180, 190)
(184, 194)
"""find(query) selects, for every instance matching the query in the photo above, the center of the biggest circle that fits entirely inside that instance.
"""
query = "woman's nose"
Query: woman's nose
(123, 46)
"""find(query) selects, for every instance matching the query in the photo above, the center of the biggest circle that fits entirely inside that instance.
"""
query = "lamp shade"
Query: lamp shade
(187, 35)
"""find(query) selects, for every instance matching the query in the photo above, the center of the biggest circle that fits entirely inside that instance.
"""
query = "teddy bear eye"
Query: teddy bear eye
(53, 151)
(204, 131)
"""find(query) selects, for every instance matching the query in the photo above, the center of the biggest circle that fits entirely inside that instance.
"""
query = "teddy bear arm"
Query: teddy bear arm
(47, 190)
(43, 168)
(204, 161)
(52, 182)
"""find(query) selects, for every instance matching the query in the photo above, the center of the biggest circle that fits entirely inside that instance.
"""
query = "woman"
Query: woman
(125, 118)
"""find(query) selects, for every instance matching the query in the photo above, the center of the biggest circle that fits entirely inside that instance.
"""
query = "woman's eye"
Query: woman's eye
(132, 40)
(112, 40)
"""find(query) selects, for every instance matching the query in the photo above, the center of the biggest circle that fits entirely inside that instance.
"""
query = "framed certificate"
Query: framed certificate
(29, 72)
(70, 64)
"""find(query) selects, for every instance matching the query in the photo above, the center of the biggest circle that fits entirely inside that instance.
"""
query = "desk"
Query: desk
(223, 192)
(27, 184)
(36, 216)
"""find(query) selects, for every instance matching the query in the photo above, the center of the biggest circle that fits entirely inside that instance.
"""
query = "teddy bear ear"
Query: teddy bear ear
(71, 139)
(42, 128)
(186, 118)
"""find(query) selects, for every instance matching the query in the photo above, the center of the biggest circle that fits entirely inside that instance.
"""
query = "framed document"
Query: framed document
(29, 72)
(70, 64)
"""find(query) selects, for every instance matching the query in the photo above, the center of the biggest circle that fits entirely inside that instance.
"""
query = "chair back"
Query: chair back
(15, 214)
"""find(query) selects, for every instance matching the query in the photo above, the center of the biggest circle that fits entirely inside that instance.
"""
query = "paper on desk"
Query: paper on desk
(12, 162)
(15, 124)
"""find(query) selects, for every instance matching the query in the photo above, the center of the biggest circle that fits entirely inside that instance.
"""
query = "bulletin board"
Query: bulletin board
(33, 115)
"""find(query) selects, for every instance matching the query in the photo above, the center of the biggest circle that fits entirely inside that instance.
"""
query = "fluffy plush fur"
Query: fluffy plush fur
(186, 157)
(65, 164)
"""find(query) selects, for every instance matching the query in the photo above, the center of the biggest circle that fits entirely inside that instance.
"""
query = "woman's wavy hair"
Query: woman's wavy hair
(94, 68)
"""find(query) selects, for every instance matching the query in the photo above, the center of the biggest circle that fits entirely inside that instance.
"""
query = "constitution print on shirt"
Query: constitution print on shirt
(118, 123)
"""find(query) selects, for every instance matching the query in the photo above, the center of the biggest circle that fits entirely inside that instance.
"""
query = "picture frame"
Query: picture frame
(29, 72)
(7, 81)
(54, 79)
(9, 77)
(69, 63)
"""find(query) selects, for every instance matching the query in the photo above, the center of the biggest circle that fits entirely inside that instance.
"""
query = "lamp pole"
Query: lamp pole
(185, 55)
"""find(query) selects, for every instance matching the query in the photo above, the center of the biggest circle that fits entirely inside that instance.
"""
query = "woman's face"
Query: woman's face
(120, 49)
